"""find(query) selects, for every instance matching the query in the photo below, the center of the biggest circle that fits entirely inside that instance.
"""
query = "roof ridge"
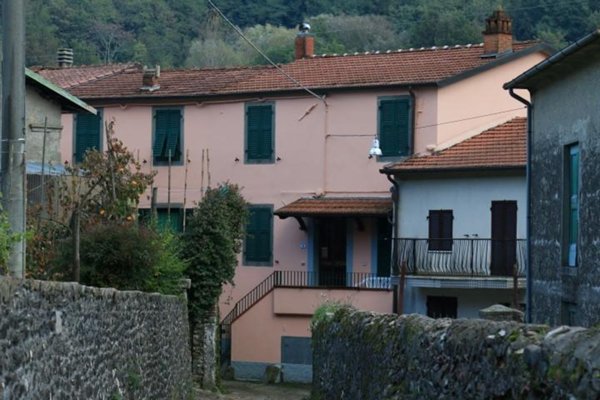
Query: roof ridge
(415, 49)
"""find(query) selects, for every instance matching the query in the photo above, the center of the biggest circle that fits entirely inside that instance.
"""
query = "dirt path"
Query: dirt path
(235, 390)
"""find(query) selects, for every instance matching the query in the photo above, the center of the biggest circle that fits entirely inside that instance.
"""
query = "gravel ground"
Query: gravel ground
(234, 390)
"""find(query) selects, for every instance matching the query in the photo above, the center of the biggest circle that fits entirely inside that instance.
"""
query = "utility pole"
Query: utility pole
(13, 128)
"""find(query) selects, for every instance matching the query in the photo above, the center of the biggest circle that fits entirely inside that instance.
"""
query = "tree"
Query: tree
(212, 241)
(106, 186)
(351, 33)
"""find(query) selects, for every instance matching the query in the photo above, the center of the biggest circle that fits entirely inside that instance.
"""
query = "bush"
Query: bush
(212, 242)
(127, 257)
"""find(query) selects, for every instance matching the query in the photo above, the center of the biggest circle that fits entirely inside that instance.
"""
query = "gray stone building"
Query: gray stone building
(44, 105)
(564, 184)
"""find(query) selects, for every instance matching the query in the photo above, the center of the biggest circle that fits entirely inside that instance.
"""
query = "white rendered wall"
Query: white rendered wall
(470, 199)
(469, 301)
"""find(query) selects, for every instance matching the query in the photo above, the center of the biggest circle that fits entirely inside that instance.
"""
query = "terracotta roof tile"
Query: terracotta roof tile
(336, 207)
(73, 76)
(402, 67)
(503, 146)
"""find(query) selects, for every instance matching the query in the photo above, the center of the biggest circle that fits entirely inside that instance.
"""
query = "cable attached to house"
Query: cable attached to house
(239, 32)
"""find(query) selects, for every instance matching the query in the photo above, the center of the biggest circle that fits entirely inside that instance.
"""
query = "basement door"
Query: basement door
(504, 237)
(331, 245)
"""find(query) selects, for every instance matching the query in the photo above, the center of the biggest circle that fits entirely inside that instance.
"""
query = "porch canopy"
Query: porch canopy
(336, 207)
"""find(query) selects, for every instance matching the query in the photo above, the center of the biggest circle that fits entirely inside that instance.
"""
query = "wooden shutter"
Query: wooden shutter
(167, 135)
(440, 230)
(394, 127)
(258, 243)
(259, 132)
(87, 134)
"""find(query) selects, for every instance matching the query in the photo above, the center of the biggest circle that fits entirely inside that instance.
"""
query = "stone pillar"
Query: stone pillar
(204, 353)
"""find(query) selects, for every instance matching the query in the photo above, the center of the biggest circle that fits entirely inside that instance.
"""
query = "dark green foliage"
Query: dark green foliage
(162, 31)
(127, 257)
(212, 242)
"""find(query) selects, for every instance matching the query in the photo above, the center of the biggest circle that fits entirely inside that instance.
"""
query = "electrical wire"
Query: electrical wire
(239, 32)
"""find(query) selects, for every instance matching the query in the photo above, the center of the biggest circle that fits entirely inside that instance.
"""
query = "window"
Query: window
(442, 307)
(259, 133)
(571, 209)
(440, 230)
(88, 128)
(167, 141)
(258, 244)
(395, 126)
(164, 219)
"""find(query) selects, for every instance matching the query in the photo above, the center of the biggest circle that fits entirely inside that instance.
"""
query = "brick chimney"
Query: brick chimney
(497, 37)
(150, 79)
(305, 42)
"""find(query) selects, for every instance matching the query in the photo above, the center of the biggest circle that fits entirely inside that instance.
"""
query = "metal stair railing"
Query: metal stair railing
(251, 298)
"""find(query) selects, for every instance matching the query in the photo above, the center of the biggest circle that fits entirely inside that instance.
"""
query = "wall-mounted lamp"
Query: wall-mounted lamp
(375, 150)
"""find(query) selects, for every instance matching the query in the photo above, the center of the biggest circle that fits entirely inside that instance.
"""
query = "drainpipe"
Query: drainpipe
(528, 278)
(394, 261)
(413, 112)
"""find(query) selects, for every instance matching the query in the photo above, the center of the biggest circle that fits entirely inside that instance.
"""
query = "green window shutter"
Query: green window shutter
(394, 127)
(167, 135)
(259, 132)
(87, 133)
(258, 243)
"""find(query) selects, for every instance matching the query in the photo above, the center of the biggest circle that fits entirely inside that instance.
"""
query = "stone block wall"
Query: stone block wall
(361, 356)
(67, 341)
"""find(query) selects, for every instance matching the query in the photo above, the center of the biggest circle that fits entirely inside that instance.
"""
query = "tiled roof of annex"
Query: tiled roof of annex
(73, 76)
(503, 146)
(350, 206)
(371, 69)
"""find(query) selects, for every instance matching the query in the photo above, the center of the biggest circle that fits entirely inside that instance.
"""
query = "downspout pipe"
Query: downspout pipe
(528, 278)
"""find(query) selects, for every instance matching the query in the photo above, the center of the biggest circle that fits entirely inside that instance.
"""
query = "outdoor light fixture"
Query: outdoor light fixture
(375, 150)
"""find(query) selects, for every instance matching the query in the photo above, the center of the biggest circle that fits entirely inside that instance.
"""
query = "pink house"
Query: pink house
(297, 139)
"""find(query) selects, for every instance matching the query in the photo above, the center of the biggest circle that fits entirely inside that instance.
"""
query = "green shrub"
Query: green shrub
(212, 242)
(127, 257)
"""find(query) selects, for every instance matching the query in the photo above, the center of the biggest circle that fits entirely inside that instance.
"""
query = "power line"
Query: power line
(239, 32)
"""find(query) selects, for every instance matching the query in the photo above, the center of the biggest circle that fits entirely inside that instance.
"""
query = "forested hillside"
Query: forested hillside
(177, 33)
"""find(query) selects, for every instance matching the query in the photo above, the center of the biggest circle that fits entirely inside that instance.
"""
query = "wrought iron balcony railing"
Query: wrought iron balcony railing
(461, 257)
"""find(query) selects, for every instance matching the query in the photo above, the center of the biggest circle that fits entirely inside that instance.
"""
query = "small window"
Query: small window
(571, 208)
(88, 130)
(259, 133)
(395, 127)
(440, 230)
(167, 143)
(258, 244)
(442, 307)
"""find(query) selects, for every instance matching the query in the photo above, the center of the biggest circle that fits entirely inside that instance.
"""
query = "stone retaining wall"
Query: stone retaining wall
(359, 355)
(67, 341)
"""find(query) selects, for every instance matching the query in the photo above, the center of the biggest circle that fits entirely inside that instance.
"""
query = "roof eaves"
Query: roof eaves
(520, 82)
(73, 101)
(504, 59)
(454, 169)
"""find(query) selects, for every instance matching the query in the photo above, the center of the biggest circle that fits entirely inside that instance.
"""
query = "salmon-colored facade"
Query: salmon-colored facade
(321, 148)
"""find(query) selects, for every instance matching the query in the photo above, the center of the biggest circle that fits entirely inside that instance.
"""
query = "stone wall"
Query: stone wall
(67, 341)
(361, 356)
(565, 113)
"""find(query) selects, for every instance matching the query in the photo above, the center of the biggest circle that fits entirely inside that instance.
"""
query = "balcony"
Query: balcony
(476, 258)
(330, 280)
